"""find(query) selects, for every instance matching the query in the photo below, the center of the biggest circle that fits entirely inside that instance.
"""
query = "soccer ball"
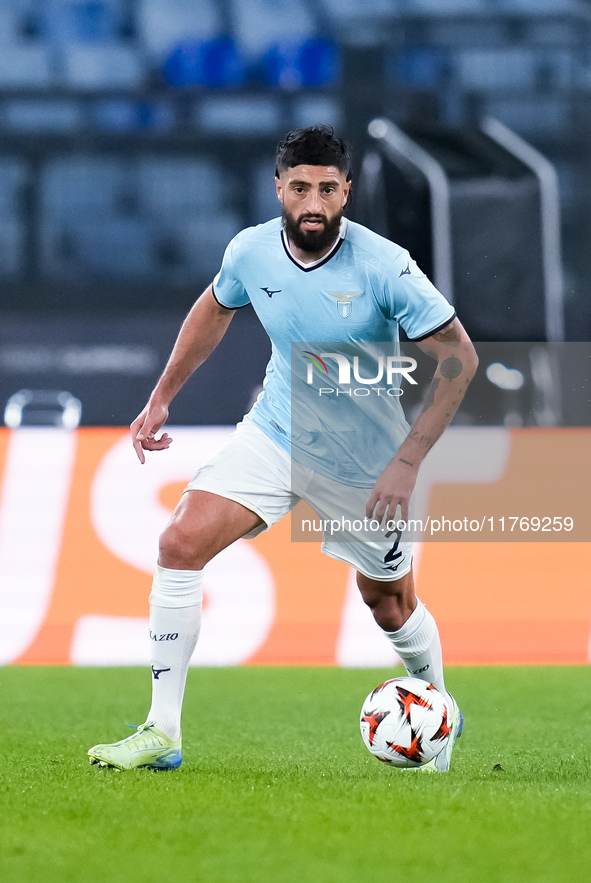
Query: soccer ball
(406, 722)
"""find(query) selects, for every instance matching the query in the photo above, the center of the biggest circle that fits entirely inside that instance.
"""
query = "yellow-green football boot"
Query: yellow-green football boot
(147, 747)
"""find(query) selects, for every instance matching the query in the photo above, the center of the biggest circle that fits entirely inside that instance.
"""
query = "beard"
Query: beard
(312, 241)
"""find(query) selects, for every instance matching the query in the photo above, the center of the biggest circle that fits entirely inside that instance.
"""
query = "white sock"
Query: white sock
(418, 645)
(175, 620)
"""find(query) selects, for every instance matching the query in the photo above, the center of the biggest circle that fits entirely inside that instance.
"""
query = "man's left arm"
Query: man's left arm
(456, 365)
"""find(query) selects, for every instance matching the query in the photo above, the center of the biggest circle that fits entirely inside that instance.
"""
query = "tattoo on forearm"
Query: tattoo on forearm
(423, 440)
(430, 397)
(451, 368)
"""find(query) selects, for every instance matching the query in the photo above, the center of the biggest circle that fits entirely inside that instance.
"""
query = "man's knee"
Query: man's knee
(180, 550)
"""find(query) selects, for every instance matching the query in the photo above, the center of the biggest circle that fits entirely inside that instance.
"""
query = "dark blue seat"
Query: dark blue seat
(302, 63)
(211, 63)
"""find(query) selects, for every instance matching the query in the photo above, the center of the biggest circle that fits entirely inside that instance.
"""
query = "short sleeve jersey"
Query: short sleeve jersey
(362, 291)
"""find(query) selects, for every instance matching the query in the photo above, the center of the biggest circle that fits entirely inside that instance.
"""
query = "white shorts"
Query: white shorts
(251, 469)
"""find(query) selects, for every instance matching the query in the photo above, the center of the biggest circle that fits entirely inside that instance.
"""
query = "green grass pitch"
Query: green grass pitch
(277, 786)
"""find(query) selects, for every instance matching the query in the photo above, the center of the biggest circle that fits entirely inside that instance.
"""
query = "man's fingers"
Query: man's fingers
(387, 509)
(150, 443)
(382, 507)
(143, 432)
(381, 511)
(135, 430)
(156, 444)
(137, 446)
(371, 504)
(143, 436)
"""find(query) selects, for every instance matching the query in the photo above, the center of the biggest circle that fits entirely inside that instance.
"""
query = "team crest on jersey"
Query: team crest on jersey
(344, 305)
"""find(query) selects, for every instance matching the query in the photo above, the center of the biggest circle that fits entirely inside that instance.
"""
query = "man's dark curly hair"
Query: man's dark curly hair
(313, 146)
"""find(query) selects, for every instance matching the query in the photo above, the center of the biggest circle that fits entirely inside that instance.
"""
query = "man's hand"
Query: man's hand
(456, 364)
(200, 333)
(144, 428)
(392, 489)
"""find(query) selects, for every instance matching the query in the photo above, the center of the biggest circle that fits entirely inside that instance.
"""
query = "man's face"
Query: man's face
(313, 200)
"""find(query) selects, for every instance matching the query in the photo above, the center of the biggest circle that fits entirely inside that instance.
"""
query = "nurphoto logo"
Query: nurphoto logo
(385, 367)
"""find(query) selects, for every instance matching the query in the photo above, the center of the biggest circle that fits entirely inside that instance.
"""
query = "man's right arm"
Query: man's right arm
(200, 333)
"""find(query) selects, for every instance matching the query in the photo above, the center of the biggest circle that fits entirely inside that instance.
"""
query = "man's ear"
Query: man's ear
(347, 194)
(279, 190)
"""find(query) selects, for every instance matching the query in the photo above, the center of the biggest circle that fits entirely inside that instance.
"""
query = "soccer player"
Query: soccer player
(310, 275)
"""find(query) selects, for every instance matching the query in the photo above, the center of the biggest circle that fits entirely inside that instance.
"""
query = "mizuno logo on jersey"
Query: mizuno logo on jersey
(270, 293)
(344, 305)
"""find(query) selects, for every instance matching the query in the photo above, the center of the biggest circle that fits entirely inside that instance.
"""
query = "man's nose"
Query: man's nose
(314, 203)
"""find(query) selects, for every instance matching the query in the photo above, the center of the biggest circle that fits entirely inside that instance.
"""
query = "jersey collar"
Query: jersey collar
(312, 265)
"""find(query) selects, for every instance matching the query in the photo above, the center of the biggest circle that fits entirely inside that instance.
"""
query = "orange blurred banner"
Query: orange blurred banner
(79, 525)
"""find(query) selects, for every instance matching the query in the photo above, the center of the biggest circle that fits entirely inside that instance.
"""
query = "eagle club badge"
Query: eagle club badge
(344, 305)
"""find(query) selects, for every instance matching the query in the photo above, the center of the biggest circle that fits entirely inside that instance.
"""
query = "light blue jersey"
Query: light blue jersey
(358, 294)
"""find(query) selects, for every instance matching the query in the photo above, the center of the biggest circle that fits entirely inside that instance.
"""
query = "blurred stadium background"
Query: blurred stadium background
(138, 136)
